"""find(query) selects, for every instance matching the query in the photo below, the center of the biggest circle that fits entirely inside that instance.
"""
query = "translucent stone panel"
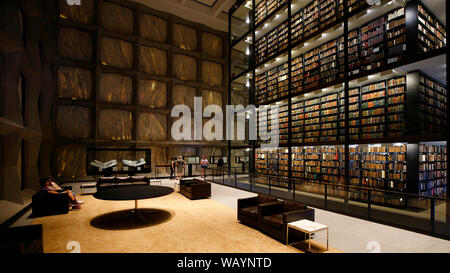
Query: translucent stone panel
(212, 73)
(70, 161)
(153, 93)
(115, 124)
(153, 28)
(152, 127)
(75, 44)
(185, 67)
(153, 61)
(159, 155)
(212, 45)
(83, 13)
(211, 97)
(74, 121)
(182, 94)
(117, 17)
(74, 83)
(116, 88)
(175, 151)
(117, 53)
(184, 37)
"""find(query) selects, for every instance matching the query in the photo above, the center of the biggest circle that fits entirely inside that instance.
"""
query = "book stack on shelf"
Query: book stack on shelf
(396, 110)
(311, 61)
(311, 18)
(261, 162)
(283, 80)
(272, 43)
(353, 114)
(354, 62)
(297, 75)
(312, 120)
(432, 106)
(372, 44)
(283, 122)
(382, 167)
(317, 164)
(265, 8)
(298, 121)
(352, 6)
(261, 50)
(396, 35)
(373, 110)
(329, 113)
(327, 13)
(261, 89)
(432, 170)
(240, 62)
(328, 62)
(272, 84)
(432, 34)
(297, 26)
(263, 122)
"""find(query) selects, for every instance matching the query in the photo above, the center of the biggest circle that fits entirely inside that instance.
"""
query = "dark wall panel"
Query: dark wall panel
(116, 17)
(153, 28)
(83, 13)
(153, 93)
(115, 124)
(116, 52)
(185, 67)
(74, 83)
(153, 61)
(75, 44)
(116, 88)
(152, 127)
(212, 45)
(74, 121)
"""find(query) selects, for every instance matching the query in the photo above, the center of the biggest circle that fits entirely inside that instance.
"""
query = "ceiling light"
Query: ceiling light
(247, 20)
(247, 52)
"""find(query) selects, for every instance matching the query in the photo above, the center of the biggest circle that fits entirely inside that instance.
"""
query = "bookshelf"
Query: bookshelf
(385, 104)
(272, 84)
(432, 169)
(353, 114)
(432, 106)
(372, 44)
(396, 36)
(432, 33)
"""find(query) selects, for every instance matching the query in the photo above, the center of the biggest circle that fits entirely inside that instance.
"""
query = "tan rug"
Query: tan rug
(181, 226)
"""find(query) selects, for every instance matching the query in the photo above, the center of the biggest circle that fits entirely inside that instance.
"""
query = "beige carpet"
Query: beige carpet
(191, 226)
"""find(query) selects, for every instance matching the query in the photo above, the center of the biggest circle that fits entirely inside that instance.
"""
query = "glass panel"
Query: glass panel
(442, 217)
(398, 209)
(310, 193)
(240, 22)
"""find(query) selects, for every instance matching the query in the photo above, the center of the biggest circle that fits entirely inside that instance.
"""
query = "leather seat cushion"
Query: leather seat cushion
(275, 220)
(250, 211)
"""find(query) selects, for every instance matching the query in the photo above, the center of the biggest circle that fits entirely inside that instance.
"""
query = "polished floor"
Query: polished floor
(177, 225)
(198, 221)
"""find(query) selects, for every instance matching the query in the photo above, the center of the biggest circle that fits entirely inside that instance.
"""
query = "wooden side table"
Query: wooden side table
(307, 227)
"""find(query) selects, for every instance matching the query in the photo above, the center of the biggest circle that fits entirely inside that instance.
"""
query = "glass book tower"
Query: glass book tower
(362, 101)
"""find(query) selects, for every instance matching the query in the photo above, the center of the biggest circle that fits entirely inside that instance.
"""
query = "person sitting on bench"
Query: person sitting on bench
(48, 185)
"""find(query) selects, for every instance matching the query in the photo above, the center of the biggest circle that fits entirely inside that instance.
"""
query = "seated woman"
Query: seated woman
(48, 185)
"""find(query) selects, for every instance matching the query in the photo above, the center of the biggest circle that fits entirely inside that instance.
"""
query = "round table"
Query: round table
(137, 192)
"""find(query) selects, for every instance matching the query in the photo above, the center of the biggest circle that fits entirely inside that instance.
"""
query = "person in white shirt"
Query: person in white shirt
(204, 165)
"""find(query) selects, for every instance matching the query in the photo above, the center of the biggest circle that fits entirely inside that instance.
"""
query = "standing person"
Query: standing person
(172, 168)
(180, 167)
(220, 165)
(204, 165)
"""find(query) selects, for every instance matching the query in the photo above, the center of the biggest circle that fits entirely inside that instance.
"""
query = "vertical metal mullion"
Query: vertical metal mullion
(289, 101)
(346, 101)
